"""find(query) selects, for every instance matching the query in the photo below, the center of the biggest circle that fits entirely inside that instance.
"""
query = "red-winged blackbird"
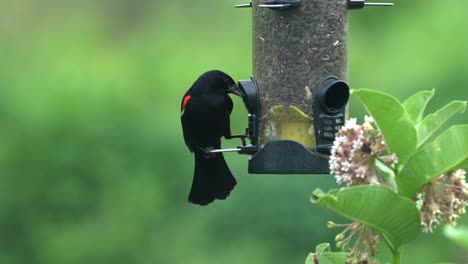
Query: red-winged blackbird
(206, 107)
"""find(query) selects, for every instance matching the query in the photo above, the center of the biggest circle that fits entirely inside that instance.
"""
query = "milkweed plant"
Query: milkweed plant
(399, 177)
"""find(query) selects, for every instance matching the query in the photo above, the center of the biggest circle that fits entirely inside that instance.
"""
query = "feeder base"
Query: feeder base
(287, 157)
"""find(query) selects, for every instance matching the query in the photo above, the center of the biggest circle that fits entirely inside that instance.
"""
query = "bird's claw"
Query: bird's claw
(208, 153)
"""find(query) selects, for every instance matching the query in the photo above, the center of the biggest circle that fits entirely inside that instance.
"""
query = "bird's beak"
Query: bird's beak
(234, 89)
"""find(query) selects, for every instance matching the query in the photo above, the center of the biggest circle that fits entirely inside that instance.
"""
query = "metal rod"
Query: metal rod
(275, 6)
(378, 4)
(225, 150)
(244, 5)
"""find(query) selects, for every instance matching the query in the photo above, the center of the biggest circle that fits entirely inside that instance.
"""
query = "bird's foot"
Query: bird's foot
(208, 153)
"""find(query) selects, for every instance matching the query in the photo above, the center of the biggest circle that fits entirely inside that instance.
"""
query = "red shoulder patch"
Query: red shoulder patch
(184, 102)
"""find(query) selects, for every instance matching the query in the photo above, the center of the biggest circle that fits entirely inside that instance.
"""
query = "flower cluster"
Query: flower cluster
(354, 151)
(365, 246)
(444, 200)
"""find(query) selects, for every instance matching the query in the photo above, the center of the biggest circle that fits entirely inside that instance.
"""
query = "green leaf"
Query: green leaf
(325, 256)
(447, 152)
(379, 207)
(391, 118)
(416, 104)
(434, 121)
(322, 248)
(310, 259)
(385, 172)
(458, 234)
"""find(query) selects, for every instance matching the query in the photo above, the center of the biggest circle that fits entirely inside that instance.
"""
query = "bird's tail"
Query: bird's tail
(212, 179)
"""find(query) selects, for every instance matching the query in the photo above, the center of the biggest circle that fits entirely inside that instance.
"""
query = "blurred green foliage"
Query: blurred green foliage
(93, 168)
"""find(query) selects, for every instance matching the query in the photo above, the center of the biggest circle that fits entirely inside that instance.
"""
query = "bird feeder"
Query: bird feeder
(297, 98)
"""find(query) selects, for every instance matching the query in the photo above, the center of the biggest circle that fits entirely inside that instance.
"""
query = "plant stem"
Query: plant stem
(388, 243)
(396, 256)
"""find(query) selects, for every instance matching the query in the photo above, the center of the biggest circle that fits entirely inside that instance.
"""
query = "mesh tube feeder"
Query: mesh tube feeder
(297, 98)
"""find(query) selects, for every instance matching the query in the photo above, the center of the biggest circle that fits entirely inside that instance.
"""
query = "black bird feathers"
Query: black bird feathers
(205, 111)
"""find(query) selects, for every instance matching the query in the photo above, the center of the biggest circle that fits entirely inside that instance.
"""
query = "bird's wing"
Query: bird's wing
(229, 103)
(227, 120)
(183, 105)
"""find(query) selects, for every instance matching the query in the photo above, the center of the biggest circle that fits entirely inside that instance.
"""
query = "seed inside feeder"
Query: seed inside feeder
(293, 49)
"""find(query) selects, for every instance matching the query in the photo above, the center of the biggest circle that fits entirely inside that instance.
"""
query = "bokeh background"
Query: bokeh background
(93, 168)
